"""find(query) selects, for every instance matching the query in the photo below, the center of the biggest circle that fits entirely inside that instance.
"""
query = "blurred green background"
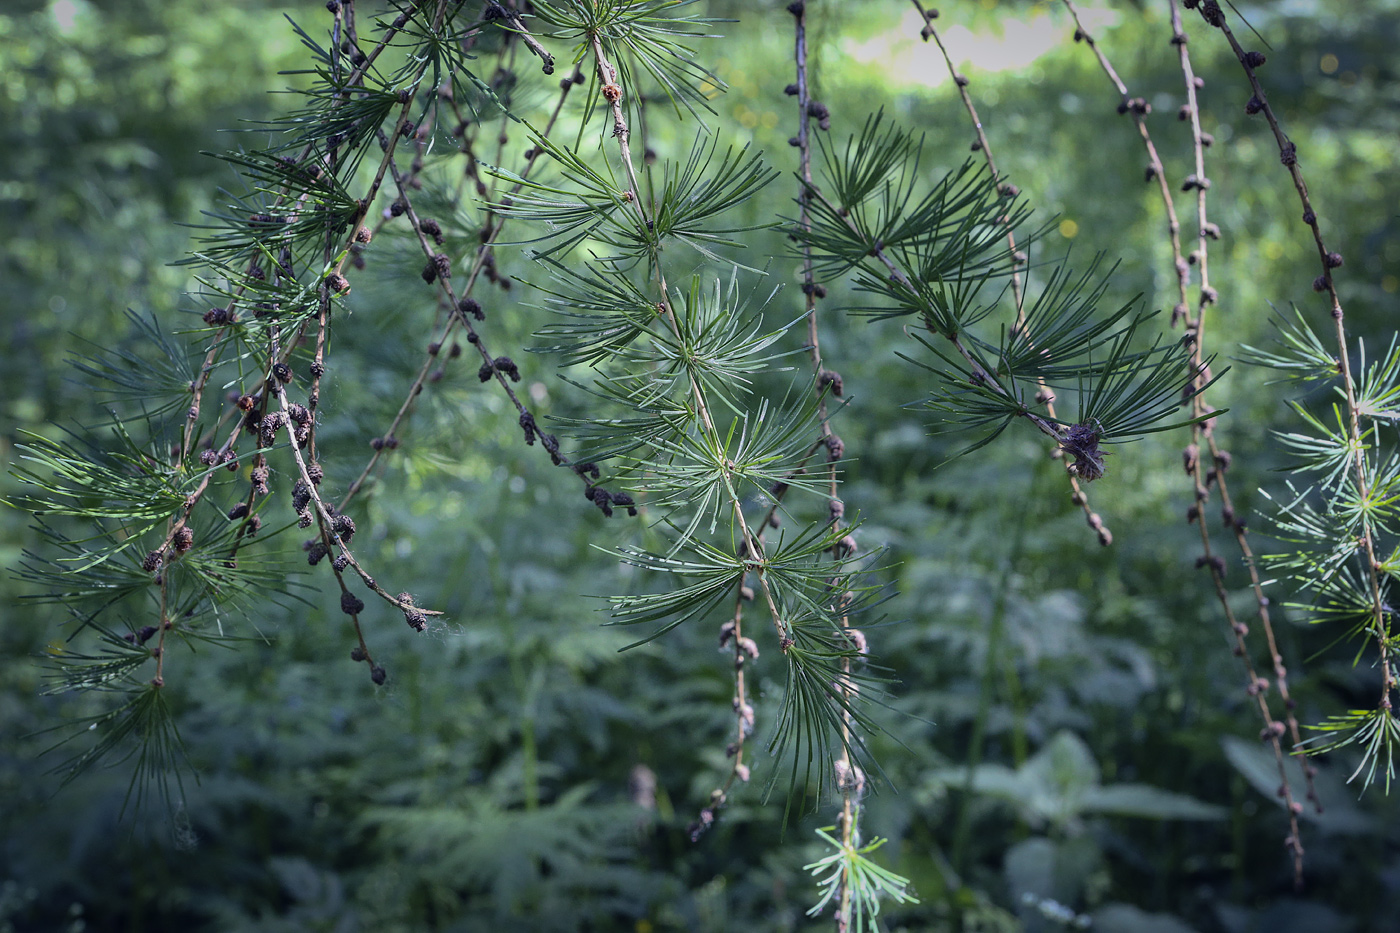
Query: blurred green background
(500, 781)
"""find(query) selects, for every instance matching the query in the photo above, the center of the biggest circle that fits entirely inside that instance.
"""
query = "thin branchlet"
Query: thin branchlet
(1138, 109)
(826, 381)
(753, 558)
(980, 375)
(271, 268)
(1356, 462)
(1206, 231)
(458, 319)
(1202, 431)
(984, 145)
(613, 93)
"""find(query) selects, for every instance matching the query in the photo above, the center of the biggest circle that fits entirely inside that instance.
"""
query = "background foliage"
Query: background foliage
(503, 778)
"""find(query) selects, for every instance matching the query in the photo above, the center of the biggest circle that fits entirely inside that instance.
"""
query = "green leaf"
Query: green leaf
(1153, 803)
(1256, 764)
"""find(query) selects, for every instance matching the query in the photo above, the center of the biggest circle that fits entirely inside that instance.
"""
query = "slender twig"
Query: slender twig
(850, 779)
(750, 538)
(327, 518)
(1018, 259)
(458, 320)
(1203, 475)
(496, 10)
(1328, 260)
(178, 527)
(979, 372)
(1138, 108)
(613, 92)
(212, 355)
(1206, 231)
(216, 346)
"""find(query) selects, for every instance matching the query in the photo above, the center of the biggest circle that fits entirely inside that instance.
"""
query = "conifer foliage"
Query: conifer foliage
(702, 405)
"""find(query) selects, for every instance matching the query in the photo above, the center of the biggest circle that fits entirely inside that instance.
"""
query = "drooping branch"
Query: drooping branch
(1356, 439)
(1206, 231)
(850, 778)
(1018, 258)
(1204, 475)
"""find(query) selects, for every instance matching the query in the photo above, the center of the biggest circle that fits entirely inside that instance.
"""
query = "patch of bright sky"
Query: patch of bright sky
(66, 13)
(1016, 42)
